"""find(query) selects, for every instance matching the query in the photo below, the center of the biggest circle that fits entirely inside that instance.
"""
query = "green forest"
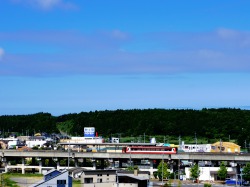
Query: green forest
(207, 125)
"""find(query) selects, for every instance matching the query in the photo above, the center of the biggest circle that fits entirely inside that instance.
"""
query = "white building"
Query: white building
(113, 178)
(210, 173)
(88, 140)
(38, 141)
(195, 147)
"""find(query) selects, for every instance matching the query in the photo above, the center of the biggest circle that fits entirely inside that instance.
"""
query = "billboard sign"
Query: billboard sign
(89, 131)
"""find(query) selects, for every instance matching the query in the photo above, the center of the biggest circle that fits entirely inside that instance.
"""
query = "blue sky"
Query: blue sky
(69, 56)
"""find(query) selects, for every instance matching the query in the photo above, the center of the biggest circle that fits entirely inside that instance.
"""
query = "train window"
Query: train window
(213, 147)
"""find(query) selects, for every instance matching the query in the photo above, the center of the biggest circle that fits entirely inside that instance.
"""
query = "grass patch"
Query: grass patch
(22, 175)
(76, 183)
(8, 182)
(5, 181)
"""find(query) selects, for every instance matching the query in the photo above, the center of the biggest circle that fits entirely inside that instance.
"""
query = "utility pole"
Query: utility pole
(162, 170)
(179, 140)
(117, 178)
(220, 144)
(195, 142)
(68, 156)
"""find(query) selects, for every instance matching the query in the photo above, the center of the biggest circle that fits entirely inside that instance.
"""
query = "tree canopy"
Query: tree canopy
(212, 124)
(222, 172)
(195, 171)
(246, 172)
(162, 170)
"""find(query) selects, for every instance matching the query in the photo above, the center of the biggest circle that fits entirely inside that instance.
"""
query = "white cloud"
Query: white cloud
(227, 33)
(1, 53)
(46, 4)
(119, 35)
(113, 52)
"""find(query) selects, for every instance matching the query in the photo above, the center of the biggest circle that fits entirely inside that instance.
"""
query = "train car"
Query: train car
(149, 150)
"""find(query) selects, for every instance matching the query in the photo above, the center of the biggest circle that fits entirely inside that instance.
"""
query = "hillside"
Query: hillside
(207, 124)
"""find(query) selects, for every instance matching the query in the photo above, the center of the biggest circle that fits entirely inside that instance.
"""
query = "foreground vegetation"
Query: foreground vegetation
(7, 179)
(207, 125)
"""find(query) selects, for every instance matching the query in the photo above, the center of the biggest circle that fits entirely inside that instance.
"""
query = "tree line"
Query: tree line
(216, 124)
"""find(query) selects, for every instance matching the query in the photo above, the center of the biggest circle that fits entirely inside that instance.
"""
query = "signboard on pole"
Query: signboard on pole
(89, 131)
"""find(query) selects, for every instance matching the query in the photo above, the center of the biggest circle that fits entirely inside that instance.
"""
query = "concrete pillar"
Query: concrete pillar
(76, 162)
(5, 164)
(23, 170)
(151, 168)
(57, 165)
(94, 164)
(40, 166)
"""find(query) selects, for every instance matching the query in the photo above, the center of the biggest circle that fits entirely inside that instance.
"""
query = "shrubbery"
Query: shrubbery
(207, 185)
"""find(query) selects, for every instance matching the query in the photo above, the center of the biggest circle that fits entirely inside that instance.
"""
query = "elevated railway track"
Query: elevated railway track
(40, 155)
(5, 153)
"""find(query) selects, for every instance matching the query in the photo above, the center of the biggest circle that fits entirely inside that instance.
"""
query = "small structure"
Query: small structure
(211, 173)
(10, 143)
(38, 141)
(114, 178)
(91, 178)
(76, 172)
(55, 178)
(225, 147)
(195, 147)
(115, 140)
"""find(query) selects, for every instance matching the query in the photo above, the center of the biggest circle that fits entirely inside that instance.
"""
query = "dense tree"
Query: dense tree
(195, 171)
(216, 123)
(162, 170)
(222, 172)
(246, 172)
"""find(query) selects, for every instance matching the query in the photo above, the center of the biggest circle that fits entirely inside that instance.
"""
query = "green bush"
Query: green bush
(171, 176)
(179, 183)
(155, 173)
(207, 185)
(169, 183)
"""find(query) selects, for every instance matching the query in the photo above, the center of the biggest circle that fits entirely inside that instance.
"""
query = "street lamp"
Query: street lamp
(195, 143)
(117, 178)
(68, 156)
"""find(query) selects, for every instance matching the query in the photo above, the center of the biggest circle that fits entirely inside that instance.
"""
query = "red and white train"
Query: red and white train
(149, 150)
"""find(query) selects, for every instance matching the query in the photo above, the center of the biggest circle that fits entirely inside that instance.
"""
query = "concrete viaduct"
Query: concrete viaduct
(7, 155)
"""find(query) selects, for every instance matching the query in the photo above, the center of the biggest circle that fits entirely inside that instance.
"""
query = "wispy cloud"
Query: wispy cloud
(1, 53)
(100, 53)
(46, 4)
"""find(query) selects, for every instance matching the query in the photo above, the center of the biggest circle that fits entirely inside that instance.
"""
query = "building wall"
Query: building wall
(53, 182)
(227, 147)
(195, 148)
(111, 185)
(101, 177)
(32, 143)
(205, 172)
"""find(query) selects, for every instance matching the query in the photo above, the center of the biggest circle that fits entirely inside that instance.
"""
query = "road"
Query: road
(26, 181)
